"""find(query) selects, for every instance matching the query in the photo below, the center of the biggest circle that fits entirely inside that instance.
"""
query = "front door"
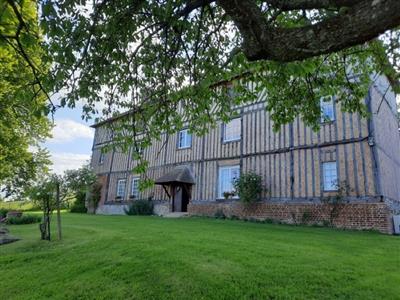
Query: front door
(181, 198)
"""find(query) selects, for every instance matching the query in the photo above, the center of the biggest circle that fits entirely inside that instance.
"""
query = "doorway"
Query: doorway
(181, 198)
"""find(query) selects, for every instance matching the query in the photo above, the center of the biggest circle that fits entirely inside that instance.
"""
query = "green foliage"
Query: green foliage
(172, 62)
(228, 195)
(306, 217)
(95, 194)
(43, 192)
(140, 207)
(19, 205)
(249, 187)
(79, 179)
(24, 219)
(79, 204)
(3, 212)
(336, 202)
(81, 183)
(23, 110)
(219, 214)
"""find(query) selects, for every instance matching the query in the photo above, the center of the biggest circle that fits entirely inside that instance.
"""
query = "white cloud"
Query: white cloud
(68, 161)
(66, 130)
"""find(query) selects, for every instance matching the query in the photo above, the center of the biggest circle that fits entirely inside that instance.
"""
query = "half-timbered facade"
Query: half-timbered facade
(299, 167)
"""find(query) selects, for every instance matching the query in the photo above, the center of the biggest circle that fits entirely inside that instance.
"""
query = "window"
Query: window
(231, 91)
(135, 188)
(184, 139)
(327, 109)
(226, 177)
(138, 149)
(121, 188)
(231, 130)
(101, 158)
(330, 176)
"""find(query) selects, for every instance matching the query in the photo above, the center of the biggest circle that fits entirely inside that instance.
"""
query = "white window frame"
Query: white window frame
(225, 129)
(185, 137)
(330, 176)
(135, 193)
(121, 188)
(326, 107)
(101, 158)
(230, 169)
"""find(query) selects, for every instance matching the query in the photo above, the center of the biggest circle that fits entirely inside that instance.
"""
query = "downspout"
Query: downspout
(374, 152)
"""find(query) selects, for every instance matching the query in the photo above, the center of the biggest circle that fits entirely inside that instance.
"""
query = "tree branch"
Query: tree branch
(362, 22)
(286, 5)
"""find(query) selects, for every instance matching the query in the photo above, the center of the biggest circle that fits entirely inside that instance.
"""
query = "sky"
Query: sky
(71, 144)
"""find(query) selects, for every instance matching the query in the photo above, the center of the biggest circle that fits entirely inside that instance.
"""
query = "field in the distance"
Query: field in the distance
(122, 257)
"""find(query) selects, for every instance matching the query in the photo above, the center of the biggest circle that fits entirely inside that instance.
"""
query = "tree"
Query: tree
(149, 56)
(172, 61)
(23, 105)
(25, 171)
(44, 193)
(82, 184)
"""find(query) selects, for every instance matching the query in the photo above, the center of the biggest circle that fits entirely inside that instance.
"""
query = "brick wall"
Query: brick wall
(359, 216)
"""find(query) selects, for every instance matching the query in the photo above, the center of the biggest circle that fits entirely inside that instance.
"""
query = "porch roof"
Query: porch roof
(180, 174)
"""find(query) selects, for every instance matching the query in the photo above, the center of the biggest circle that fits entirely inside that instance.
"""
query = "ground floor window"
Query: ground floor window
(330, 178)
(121, 183)
(225, 180)
(135, 188)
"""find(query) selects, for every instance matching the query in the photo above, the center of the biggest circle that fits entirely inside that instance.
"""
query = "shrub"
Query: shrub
(336, 203)
(228, 195)
(219, 214)
(140, 207)
(95, 194)
(249, 187)
(307, 217)
(25, 219)
(79, 205)
(3, 212)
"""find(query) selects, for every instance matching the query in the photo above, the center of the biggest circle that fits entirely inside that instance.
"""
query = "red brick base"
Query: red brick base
(361, 216)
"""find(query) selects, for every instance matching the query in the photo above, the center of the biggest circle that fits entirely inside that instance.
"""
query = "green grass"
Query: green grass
(123, 257)
(18, 205)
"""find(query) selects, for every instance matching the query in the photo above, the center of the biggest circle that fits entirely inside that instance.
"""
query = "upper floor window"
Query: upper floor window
(330, 177)
(101, 158)
(138, 149)
(226, 177)
(184, 139)
(232, 130)
(327, 109)
(121, 183)
(135, 188)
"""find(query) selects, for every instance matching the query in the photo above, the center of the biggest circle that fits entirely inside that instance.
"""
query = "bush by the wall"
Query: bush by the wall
(79, 205)
(219, 214)
(24, 219)
(249, 187)
(140, 207)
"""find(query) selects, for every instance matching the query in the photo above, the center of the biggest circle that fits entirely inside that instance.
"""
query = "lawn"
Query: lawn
(123, 257)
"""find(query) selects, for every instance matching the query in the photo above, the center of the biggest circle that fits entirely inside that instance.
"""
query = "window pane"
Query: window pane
(327, 110)
(101, 158)
(226, 178)
(135, 188)
(232, 130)
(184, 139)
(121, 188)
(330, 176)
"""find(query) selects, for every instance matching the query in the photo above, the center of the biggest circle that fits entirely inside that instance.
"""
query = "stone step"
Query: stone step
(176, 215)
